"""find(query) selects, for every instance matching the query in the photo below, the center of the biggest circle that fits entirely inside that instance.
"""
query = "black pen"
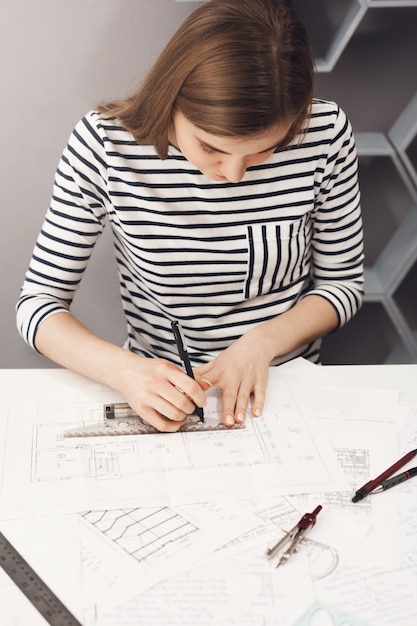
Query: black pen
(395, 480)
(182, 351)
(373, 484)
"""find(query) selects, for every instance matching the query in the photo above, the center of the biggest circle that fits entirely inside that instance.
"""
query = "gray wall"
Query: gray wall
(59, 58)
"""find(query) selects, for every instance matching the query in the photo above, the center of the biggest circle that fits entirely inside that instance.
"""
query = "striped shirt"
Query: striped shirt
(219, 257)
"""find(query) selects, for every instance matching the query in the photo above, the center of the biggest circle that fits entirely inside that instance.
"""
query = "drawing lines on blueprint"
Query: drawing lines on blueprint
(283, 451)
(57, 458)
(142, 532)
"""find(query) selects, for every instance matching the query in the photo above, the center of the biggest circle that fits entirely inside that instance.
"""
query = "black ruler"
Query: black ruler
(34, 588)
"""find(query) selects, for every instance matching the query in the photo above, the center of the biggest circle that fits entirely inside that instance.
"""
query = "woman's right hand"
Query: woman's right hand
(160, 392)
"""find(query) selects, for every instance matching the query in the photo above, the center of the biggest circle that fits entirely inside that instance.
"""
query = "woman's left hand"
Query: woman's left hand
(242, 373)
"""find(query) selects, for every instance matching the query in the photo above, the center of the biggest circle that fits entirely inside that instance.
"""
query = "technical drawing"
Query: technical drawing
(279, 516)
(283, 451)
(323, 559)
(355, 463)
(55, 457)
(356, 466)
(142, 532)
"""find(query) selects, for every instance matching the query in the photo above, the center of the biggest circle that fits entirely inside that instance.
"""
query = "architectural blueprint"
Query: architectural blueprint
(283, 451)
(237, 589)
(136, 557)
(237, 582)
(128, 551)
(236, 585)
(357, 444)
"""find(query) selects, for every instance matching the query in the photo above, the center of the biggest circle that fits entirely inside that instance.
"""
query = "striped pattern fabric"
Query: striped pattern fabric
(219, 257)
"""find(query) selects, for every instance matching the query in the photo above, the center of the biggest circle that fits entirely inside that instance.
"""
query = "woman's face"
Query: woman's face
(224, 158)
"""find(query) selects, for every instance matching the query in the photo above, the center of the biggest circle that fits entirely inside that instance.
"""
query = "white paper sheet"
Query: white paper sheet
(51, 546)
(283, 451)
(374, 585)
(125, 552)
(240, 586)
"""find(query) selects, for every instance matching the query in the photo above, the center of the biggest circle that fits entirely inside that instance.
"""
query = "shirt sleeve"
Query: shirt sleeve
(338, 237)
(72, 225)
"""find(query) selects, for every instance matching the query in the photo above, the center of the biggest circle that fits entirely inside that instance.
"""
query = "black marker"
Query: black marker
(395, 480)
(176, 329)
(373, 484)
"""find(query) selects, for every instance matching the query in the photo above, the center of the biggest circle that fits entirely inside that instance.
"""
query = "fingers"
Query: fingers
(204, 384)
(243, 387)
(235, 406)
(175, 402)
(236, 403)
(171, 408)
(163, 395)
(162, 423)
(191, 390)
(258, 401)
(168, 395)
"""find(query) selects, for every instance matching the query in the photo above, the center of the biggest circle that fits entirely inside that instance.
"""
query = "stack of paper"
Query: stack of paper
(170, 529)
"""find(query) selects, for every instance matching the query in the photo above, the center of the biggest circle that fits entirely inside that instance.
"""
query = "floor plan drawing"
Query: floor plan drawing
(127, 551)
(142, 532)
(55, 457)
(240, 576)
(283, 451)
(355, 464)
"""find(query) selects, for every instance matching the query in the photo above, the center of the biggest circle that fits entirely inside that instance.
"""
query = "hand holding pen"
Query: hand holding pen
(383, 481)
(182, 351)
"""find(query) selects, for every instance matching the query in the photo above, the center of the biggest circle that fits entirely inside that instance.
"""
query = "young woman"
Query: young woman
(233, 200)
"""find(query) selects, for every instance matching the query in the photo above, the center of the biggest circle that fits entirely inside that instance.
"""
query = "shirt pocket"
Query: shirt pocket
(278, 255)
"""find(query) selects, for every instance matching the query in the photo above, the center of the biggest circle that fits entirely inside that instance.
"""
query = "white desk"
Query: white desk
(401, 377)
(189, 599)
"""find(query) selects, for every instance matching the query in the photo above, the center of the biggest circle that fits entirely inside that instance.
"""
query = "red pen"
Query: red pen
(372, 484)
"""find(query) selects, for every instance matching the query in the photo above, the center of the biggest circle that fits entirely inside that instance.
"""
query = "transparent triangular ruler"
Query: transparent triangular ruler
(120, 419)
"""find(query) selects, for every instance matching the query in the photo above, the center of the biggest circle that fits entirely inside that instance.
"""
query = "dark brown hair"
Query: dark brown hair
(233, 68)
